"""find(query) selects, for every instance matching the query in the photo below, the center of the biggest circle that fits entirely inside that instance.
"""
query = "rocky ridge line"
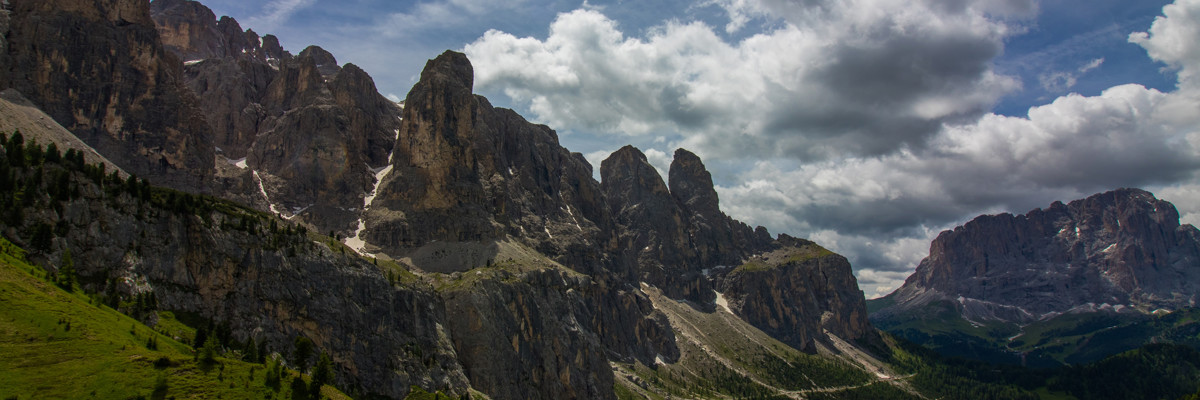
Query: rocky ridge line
(1123, 248)
(305, 134)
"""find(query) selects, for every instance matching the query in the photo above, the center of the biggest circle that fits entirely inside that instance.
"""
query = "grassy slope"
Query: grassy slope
(787, 255)
(1066, 339)
(723, 357)
(57, 344)
(938, 325)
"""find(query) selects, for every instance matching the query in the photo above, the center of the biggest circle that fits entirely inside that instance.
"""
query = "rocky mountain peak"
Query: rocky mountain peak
(191, 30)
(654, 235)
(181, 11)
(1123, 247)
(299, 81)
(629, 177)
(692, 184)
(271, 47)
(465, 171)
(452, 68)
(370, 114)
(301, 136)
(324, 60)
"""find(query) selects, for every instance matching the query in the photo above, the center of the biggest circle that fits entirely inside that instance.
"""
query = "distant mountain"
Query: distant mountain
(1077, 269)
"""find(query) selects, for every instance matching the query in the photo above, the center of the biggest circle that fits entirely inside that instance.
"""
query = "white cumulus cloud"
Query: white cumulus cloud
(864, 77)
(1172, 40)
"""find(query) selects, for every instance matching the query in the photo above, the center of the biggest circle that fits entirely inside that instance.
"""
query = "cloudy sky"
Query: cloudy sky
(866, 125)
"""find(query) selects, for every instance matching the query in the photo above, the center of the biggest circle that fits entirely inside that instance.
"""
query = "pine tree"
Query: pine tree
(262, 352)
(66, 270)
(250, 354)
(52, 153)
(208, 352)
(201, 337)
(303, 351)
(15, 150)
(33, 152)
(274, 374)
(16, 213)
(322, 374)
(43, 237)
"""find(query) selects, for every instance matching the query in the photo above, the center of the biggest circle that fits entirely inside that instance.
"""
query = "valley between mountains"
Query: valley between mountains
(191, 211)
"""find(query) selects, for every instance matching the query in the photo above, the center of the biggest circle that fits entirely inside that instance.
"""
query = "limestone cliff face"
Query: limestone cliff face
(675, 236)
(655, 230)
(99, 68)
(263, 277)
(307, 156)
(465, 171)
(311, 132)
(717, 238)
(797, 294)
(680, 242)
(367, 112)
(191, 31)
(237, 68)
(465, 175)
(1123, 247)
(534, 334)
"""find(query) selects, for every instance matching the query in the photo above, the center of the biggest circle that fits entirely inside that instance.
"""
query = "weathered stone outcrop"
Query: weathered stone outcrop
(655, 232)
(797, 294)
(680, 242)
(716, 238)
(326, 64)
(193, 32)
(465, 171)
(228, 90)
(548, 332)
(311, 131)
(307, 161)
(1123, 247)
(100, 70)
(676, 237)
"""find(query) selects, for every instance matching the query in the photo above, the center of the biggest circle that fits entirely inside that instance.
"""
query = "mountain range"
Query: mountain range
(215, 185)
(1069, 283)
(439, 243)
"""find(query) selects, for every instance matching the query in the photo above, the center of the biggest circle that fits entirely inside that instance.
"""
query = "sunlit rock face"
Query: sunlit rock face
(311, 133)
(1122, 248)
(100, 70)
